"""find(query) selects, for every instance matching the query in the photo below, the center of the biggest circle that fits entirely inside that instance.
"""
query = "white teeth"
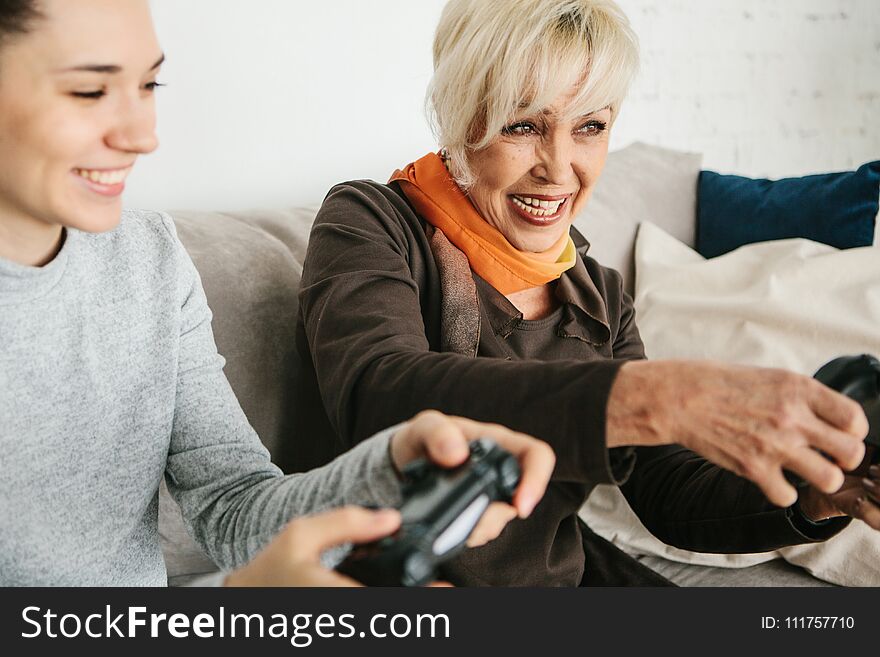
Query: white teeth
(104, 177)
(538, 207)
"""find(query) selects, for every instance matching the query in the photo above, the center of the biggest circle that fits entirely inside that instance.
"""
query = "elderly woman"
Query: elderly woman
(461, 285)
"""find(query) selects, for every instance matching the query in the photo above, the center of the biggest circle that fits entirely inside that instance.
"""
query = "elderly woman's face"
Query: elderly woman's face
(534, 178)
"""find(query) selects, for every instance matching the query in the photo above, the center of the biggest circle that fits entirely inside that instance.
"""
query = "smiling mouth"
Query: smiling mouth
(108, 177)
(108, 183)
(539, 210)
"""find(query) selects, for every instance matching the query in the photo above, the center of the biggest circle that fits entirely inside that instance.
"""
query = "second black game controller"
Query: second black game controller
(858, 377)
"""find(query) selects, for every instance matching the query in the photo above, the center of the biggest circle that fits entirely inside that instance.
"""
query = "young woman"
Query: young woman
(109, 376)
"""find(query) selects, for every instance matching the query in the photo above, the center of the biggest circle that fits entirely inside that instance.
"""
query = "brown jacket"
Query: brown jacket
(369, 338)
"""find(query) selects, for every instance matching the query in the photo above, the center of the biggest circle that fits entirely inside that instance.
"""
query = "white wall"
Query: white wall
(271, 102)
(761, 87)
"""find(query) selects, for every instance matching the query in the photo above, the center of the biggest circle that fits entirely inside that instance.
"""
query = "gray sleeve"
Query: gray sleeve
(234, 500)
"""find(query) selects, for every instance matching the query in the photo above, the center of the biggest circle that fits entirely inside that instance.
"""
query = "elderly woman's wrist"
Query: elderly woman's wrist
(637, 410)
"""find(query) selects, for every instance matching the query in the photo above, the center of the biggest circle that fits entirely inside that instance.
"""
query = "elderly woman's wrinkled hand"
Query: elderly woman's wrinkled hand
(444, 440)
(755, 422)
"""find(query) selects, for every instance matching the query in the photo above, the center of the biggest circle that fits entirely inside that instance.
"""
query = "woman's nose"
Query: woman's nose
(554, 162)
(135, 130)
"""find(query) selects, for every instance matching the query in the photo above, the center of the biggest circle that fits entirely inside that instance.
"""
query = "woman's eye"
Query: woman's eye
(521, 128)
(593, 127)
(149, 87)
(91, 95)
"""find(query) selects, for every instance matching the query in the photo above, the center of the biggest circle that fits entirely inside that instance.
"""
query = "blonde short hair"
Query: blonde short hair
(496, 59)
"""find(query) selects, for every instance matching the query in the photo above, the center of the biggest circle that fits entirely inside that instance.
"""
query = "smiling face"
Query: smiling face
(533, 179)
(76, 110)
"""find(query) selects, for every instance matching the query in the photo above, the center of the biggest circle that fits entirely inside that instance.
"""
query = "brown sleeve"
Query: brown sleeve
(690, 503)
(362, 310)
(628, 343)
(627, 346)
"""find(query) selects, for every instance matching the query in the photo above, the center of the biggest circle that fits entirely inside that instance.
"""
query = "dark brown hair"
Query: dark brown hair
(16, 16)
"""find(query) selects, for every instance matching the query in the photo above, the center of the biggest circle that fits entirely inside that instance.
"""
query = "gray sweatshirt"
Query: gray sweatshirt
(110, 380)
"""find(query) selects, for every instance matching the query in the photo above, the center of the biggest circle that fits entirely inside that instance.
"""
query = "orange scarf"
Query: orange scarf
(437, 198)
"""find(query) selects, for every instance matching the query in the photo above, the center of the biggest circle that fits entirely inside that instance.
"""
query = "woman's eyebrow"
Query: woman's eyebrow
(107, 68)
(593, 113)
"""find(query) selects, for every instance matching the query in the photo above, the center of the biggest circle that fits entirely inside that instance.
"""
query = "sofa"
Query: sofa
(250, 263)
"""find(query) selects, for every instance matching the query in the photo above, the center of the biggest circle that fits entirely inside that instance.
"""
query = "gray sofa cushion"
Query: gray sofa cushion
(640, 183)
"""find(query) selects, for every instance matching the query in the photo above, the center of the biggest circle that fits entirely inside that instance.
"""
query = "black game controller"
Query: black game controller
(440, 508)
(858, 377)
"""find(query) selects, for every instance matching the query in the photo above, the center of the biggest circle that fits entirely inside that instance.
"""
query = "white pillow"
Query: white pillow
(788, 303)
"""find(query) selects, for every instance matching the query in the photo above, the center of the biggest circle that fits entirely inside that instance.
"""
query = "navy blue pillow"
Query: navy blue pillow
(833, 208)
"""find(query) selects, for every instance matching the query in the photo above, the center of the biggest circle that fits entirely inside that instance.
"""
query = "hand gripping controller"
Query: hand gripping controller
(440, 508)
(858, 377)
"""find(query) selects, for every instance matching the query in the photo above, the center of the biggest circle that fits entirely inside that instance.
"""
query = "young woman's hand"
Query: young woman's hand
(293, 558)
